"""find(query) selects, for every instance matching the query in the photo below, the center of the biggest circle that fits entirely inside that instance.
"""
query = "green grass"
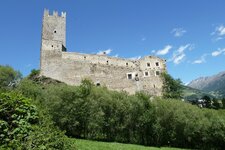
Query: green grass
(95, 145)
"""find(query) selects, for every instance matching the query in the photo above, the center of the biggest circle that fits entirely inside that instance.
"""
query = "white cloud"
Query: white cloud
(219, 33)
(163, 51)
(178, 58)
(143, 39)
(179, 55)
(200, 60)
(104, 52)
(182, 48)
(191, 47)
(178, 32)
(220, 30)
(135, 58)
(117, 55)
(218, 52)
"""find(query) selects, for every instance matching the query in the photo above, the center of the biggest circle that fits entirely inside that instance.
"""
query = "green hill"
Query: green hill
(191, 94)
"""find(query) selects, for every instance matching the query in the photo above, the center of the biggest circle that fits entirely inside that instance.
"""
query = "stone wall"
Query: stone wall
(115, 73)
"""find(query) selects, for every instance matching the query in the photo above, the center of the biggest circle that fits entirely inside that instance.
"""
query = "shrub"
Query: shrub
(16, 118)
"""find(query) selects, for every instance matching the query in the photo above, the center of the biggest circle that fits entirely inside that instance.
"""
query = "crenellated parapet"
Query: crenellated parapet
(54, 13)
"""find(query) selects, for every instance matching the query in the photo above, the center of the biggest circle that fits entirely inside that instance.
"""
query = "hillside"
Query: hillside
(193, 94)
(214, 85)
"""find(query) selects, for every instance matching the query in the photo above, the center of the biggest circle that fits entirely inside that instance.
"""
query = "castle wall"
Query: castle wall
(115, 73)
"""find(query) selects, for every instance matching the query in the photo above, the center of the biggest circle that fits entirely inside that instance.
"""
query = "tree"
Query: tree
(8, 77)
(16, 117)
(171, 88)
(208, 102)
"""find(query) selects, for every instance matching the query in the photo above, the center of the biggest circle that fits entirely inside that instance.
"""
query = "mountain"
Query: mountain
(192, 94)
(215, 85)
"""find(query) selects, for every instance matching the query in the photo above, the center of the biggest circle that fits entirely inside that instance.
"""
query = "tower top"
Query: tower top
(55, 13)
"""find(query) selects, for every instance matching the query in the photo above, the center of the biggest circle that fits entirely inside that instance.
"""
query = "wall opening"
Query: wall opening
(148, 64)
(157, 73)
(98, 84)
(126, 64)
(129, 76)
(157, 64)
(107, 62)
(55, 31)
(64, 48)
(136, 77)
(146, 73)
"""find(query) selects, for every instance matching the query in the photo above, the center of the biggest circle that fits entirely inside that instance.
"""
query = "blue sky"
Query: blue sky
(189, 34)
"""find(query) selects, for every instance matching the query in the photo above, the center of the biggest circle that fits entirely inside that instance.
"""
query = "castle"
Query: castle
(115, 73)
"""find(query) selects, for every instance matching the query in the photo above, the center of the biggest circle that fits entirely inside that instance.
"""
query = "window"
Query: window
(54, 31)
(136, 77)
(129, 76)
(98, 84)
(146, 73)
(148, 64)
(157, 63)
(84, 57)
(157, 73)
(107, 62)
(126, 64)
(52, 45)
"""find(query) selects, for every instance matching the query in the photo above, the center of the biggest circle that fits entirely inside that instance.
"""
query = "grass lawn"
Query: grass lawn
(94, 145)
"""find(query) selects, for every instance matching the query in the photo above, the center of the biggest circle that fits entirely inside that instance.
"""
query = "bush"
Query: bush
(22, 127)
(16, 118)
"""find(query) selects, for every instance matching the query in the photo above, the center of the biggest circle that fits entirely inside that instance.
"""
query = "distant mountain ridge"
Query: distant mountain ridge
(214, 85)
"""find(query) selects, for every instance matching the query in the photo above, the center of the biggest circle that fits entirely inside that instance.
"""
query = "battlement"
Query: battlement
(55, 13)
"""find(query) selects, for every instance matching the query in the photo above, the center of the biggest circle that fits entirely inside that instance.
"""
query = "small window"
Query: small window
(126, 64)
(84, 57)
(157, 73)
(129, 76)
(54, 31)
(148, 64)
(107, 62)
(154, 86)
(98, 84)
(146, 73)
(52, 45)
(157, 63)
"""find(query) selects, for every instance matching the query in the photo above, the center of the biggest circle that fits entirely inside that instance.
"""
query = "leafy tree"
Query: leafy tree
(208, 101)
(16, 117)
(223, 102)
(171, 88)
(8, 77)
(34, 73)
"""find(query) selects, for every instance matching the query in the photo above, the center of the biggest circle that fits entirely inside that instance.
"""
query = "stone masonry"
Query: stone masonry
(115, 73)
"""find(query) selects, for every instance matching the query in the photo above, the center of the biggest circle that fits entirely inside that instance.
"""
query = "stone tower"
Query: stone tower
(53, 40)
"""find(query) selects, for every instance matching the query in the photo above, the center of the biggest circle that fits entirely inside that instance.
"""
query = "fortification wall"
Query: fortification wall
(115, 73)
(99, 59)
